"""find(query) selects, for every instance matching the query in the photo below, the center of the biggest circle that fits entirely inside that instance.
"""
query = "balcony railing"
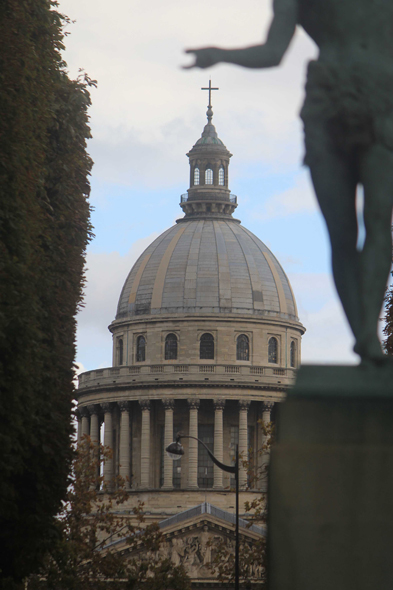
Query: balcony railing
(166, 371)
(232, 198)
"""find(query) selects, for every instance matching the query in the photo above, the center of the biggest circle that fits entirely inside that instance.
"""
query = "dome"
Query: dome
(207, 266)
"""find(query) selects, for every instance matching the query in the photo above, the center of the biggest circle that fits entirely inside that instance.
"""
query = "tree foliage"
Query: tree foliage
(388, 328)
(44, 230)
(86, 555)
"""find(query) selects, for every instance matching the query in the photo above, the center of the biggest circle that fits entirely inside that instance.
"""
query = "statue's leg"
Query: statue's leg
(376, 175)
(335, 181)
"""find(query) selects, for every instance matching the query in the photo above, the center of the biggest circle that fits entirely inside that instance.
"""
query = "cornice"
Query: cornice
(180, 385)
(218, 318)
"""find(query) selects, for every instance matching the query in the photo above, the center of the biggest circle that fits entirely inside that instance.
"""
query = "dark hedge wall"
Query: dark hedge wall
(44, 230)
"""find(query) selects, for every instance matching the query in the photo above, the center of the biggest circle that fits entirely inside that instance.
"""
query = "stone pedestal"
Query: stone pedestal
(331, 482)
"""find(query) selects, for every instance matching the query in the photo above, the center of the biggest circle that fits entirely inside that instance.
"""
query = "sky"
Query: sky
(147, 112)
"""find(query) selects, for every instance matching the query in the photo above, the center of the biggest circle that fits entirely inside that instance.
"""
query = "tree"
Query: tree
(252, 556)
(44, 230)
(86, 555)
(388, 328)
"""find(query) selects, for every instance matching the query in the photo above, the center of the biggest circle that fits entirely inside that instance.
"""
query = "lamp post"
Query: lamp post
(175, 450)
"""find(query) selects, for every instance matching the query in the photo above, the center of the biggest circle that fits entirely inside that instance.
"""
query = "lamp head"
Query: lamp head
(175, 450)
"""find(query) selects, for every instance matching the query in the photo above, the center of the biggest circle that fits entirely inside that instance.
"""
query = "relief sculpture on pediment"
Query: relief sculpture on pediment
(194, 552)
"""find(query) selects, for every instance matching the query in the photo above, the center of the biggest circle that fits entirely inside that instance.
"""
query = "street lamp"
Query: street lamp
(175, 450)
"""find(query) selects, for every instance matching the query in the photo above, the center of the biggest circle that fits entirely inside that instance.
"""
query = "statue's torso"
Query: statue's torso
(348, 31)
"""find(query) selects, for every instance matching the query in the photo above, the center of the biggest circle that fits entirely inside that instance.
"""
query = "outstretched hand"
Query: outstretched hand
(204, 58)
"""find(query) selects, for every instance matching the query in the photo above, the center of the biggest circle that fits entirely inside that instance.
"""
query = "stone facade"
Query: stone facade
(206, 341)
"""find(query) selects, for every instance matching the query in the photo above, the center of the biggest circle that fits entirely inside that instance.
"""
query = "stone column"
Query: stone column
(169, 405)
(79, 426)
(94, 411)
(145, 443)
(94, 424)
(124, 450)
(85, 421)
(265, 455)
(218, 440)
(108, 443)
(243, 441)
(193, 444)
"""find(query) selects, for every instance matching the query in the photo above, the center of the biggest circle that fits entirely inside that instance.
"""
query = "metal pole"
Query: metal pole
(237, 547)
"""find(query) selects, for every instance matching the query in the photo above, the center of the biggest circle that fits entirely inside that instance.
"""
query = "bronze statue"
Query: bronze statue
(348, 124)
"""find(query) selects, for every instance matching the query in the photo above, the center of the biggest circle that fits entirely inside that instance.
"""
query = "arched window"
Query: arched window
(196, 175)
(120, 350)
(208, 176)
(292, 354)
(206, 348)
(140, 349)
(272, 355)
(171, 347)
(242, 348)
(221, 176)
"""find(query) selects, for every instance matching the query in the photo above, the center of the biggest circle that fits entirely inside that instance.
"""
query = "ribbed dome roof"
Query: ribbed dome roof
(207, 266)
(209, 137)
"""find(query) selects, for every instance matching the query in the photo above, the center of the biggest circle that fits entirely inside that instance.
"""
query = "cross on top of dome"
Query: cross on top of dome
(209, 112)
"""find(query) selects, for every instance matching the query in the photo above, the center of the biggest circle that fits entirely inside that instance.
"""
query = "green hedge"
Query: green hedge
(44, 230)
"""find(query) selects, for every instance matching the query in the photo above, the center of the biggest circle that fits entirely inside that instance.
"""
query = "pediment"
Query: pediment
(192, 542)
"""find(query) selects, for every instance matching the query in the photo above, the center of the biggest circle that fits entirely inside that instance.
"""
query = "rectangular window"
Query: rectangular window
(205, 464)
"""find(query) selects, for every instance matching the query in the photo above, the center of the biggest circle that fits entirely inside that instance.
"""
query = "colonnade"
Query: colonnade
(89, 424)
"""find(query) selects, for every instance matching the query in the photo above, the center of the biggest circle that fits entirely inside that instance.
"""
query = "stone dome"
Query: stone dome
(207, 266)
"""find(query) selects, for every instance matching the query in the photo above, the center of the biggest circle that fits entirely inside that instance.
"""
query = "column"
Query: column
(85, 421)
(218, 440)
(193, 444)
(108, 444)
(243, 441)
(264, 449)
(79, 426)
(145, 443)
(124, 450)
(94, 424)
(94, 411)
(169, 405)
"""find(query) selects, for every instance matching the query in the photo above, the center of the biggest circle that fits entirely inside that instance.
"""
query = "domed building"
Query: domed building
(206, 341)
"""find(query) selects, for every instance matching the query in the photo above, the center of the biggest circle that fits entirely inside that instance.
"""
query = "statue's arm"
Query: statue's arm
(267, 55)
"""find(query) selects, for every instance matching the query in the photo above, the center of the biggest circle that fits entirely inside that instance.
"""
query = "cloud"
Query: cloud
(328, 338)
(147, 112)
(105, 274)
(297, 199)
(78, 369)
